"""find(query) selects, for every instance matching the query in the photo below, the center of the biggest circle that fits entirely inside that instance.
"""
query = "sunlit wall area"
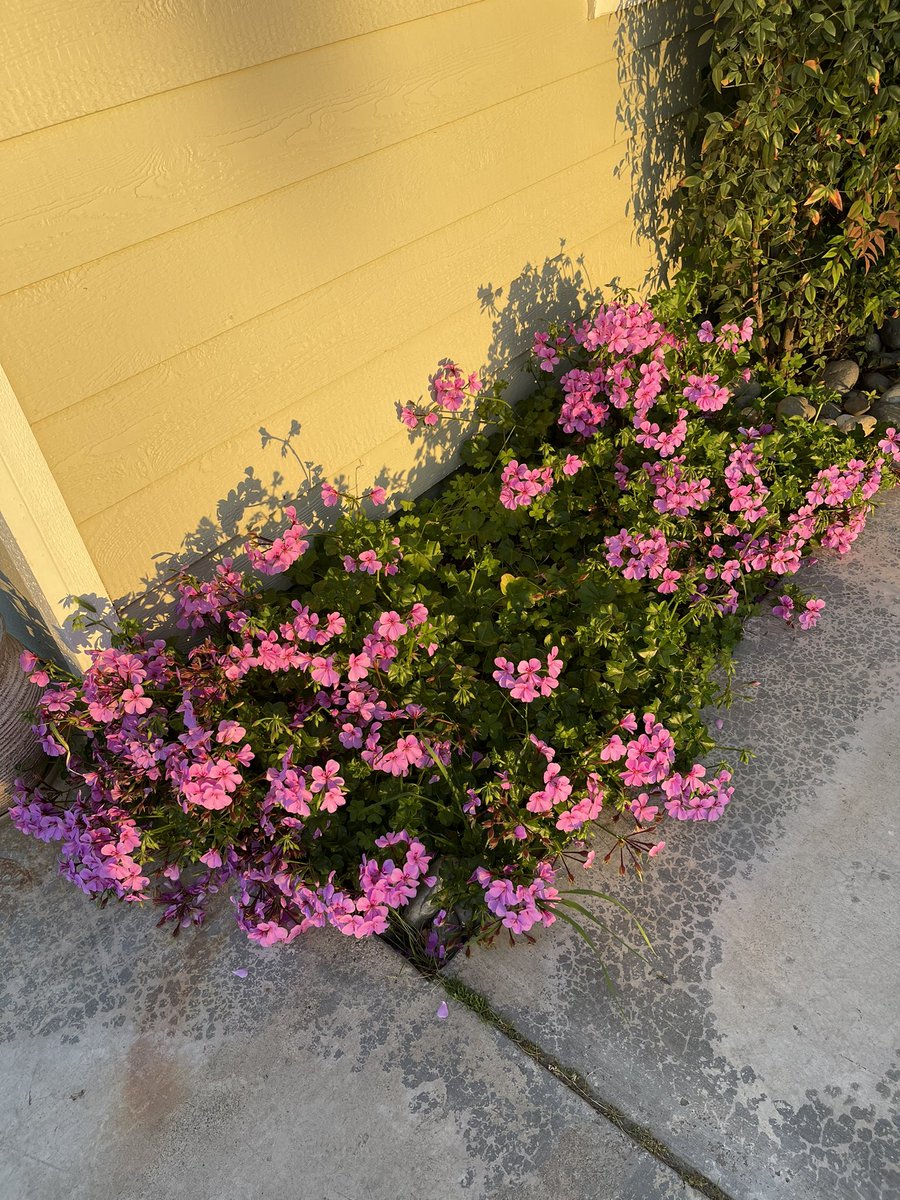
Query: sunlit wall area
(275, 215)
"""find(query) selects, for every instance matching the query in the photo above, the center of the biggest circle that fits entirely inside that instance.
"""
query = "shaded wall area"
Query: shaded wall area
(20, 618)
(234, 238)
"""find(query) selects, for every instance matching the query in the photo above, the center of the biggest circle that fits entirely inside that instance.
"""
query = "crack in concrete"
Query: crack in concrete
(643, 1137)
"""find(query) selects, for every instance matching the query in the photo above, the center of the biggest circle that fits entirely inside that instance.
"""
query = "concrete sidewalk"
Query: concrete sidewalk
(133, 1065)
(762, 1045)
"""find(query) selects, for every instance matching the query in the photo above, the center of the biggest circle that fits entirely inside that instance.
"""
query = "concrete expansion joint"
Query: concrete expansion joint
(643, 1137)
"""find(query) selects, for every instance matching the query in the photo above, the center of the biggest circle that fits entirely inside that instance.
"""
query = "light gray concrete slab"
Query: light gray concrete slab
(134, 1066)
(762, 1045)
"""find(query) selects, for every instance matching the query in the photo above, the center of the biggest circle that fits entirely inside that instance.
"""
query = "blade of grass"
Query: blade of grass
(602, 925)
(618, 903)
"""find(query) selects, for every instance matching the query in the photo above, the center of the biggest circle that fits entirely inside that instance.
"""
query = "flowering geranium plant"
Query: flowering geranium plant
(479, 692)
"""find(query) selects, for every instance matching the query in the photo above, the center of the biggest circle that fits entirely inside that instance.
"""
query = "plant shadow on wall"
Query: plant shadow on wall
(560, 288)
(659, 73)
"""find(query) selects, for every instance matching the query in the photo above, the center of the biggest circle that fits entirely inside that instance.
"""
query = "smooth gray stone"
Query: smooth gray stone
(747, 392)
(762, 1042)
(841, 374)
(135, 1066)
(890, 333)
(884, 410)
(795, 406)
(874, 381)
(856, 403)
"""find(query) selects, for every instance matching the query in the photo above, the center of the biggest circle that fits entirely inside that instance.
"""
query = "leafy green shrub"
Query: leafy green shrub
(791, 211)
(502, 677)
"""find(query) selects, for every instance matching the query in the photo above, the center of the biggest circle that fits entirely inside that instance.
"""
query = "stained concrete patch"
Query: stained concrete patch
(762, 1045)
(134, 1066)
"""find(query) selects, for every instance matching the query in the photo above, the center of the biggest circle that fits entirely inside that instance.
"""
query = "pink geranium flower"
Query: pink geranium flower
(390, 626)
(29, 664)
(526, 681)
(283, 551)
(810, 615)
(323, 671)
(369, 562)
(134, 701)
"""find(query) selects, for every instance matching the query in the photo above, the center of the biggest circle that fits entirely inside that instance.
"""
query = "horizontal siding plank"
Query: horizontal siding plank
(95, 328)
(125, 438)
(60, 60)
(349, 413)
(95, 185)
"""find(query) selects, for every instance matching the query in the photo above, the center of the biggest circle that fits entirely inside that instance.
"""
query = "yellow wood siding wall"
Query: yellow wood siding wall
(222, 216)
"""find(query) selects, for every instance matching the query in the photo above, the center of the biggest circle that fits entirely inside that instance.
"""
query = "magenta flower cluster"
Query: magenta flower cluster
(284, 550)
(807, 615)
(583, 411)
(144, 712)
(521, 906)
(531, 678)
(676, 491)
(274, 906)
(450, 388)
(730, 336)
(520, 485)
(642, 557)
(368, 561)
(97, 844)
(746, 544)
